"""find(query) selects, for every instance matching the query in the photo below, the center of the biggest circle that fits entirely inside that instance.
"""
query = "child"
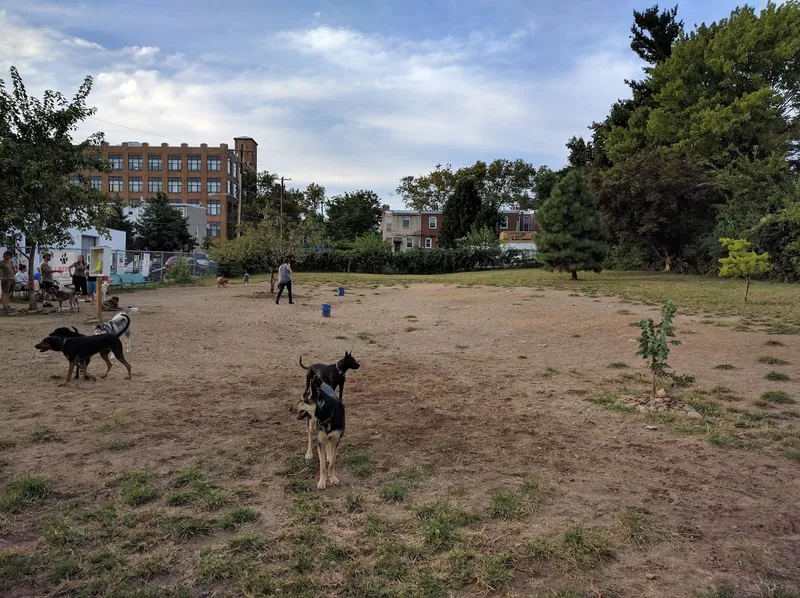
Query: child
(246, 278)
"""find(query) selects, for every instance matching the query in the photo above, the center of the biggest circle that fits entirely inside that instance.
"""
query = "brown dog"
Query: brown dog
(222, 282)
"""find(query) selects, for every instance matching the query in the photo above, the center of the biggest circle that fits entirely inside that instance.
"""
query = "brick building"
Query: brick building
(406, 229)
(205, 176)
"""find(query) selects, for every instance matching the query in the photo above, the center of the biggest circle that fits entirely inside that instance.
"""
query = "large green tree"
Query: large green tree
(117, 220)
(572, 238)
(429, 191)
(352, 214)
(162, 227)
(42, 190)
(460, 212)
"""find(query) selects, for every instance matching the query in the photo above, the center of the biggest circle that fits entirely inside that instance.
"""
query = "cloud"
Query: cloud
(337, 106)
(316, 15)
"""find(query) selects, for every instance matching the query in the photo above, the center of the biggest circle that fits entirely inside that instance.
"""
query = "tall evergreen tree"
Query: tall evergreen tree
(571, 237)
(460, 212)
(163, 228)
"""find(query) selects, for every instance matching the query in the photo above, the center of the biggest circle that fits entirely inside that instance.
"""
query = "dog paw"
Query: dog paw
(321, 485)
(333, 480)
(309, 456)
(63, 384)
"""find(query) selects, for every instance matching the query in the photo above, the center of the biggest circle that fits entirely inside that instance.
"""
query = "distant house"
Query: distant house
(406, 229)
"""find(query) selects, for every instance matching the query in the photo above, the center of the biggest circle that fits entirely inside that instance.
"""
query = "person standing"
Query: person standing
(284, 281)
(80, 280)
(47, 272)
(6, 282)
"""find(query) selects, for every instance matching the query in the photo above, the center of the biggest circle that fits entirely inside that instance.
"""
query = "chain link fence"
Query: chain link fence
(130, 268)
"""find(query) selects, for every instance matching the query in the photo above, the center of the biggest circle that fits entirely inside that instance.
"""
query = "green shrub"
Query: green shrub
(180, 273)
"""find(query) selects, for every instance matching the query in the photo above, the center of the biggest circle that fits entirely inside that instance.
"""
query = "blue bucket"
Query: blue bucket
(341, 291)
(326, 310)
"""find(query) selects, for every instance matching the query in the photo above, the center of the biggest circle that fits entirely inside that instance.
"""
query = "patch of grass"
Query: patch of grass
(516, 504)
(725, 366)
(6, 443)
(721, 391)
(135, 488)
(310, 509)
(236, 517)
(777, 376)
(217, 564)
(705, 408)
(609, 401)
(155, 563)
(364, 336)
(41, 435)
(116, 444)
(522, 357)
(494, 573)
(637, 526)
(65, 569)
(394, 492)
(618, 365)
(624, 312)
(180, 498)
(792, 453)
(770, 360)
(248, 543)
(462, 347)
(23, 492)
(440, 522)
(549, 372)
(585, 547)
(16, 568)
(358, 462)
(717, 592)
(782, 328)
(59, 532)
(772, 343)
(186, 527)
(411, 317)
(774, 397)
(340, 337)
(410, 329)
(538, 549)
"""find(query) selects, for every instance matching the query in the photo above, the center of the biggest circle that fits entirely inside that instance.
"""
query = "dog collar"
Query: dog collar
(338, 369)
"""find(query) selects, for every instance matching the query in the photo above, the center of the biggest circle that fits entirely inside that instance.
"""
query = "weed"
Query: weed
(186, 527)
(637, 526)
(179, 498)
(793, 454)
(724, 366)
(354, 502)
(23, 492)
(440, 523)
(248, 543)
(358, 462)
(16, 568)
(66, 569)
(538, 549)
(310, 509)
(777, 376)
(59, 532)
(394, 492)
(586, 547)
(516, 504)
(610, 402)
(618, 365)
(770, 360)
(774, 397)
(216, 564)
(155, 563)
(41, 435)
(549, 372)
(409, 329)
(494, 573)
(461, 568)
(236, 517)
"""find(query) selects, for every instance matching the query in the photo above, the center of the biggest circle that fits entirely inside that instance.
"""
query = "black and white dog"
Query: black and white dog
(118, 325)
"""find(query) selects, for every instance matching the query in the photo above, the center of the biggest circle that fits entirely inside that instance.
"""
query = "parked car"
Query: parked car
(199, 266)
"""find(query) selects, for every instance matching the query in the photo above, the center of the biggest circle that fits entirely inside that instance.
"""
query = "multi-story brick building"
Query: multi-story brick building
(406, 229)
(205, 176)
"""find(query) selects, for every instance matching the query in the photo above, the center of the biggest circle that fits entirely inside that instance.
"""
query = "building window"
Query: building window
(214, 163)
(75, 180)
(155, 184)
(432, 222)
(153, 162)
(234, 170)
(174, 163)
(409, 241)
(196, 232)
(194, 163)
(174, 185)
(406, 221)
(230, 187)
(135, 162)
(193, 202)
(230, 166)
(235, 190)
(135, 184)
(214, 229)
(96, 182)
(213, 207)
(388, 225)
(194, 186)
(115, 183)
(428, 242)
(504, 222)
(175, 202)
(213, 186)
(116, 161)
(96, 157)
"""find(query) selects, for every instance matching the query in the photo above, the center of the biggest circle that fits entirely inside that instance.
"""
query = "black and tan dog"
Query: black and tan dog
(326, 413)
(331, 374)
(64, 333)
(79, 349)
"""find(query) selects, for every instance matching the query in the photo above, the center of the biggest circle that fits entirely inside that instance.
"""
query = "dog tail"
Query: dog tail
(76, 330)
(127, 325)
(301, 364)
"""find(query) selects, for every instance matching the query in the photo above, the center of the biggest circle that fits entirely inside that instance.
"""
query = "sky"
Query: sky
(347, 94)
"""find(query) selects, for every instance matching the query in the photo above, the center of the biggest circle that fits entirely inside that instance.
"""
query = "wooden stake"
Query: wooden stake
(98, 289)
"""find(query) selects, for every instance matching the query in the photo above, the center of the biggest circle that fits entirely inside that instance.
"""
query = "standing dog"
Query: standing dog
(222, 282)
(333, 375)
(118, 325)
(62, 295)
(79, 349)
(64, 333)
(326, 414)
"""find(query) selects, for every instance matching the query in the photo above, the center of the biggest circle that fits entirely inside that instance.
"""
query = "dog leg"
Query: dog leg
(121, 359)
(69, 374)
(332, 464)
(309, 453)
(323, 471)
(341, 391)
(104, 355)
(86, 376)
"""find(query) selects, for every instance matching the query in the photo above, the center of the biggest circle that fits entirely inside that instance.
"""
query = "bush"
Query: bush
(180, 273)
(626, 256)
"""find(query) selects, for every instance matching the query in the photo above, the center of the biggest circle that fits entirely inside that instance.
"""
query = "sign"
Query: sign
(144, 269)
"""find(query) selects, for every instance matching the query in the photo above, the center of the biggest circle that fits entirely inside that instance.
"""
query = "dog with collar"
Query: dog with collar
(118, 325)
(331, 374)
(64, 332)
(326, 413)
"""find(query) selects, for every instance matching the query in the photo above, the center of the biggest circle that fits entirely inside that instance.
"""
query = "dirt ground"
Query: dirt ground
(462, 390)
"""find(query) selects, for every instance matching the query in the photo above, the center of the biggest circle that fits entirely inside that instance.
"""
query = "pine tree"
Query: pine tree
(117, 220)
(460, 212)
(571, 237)
(163, 228)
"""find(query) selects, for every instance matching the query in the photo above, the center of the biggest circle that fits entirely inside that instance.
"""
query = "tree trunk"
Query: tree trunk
(746, 288)
(574, 275)
(32, 303)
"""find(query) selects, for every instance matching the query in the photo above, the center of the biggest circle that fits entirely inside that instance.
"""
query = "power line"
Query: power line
(137, 130)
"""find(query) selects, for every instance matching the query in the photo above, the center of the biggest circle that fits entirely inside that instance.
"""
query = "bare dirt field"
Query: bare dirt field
(493, 445)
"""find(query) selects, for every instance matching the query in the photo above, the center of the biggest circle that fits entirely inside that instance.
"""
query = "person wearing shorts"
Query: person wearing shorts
(79, 277)
(284, 281)
(7, 275)
(47, 272)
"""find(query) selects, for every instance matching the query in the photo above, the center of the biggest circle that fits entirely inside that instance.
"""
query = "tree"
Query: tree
(488, 216)
(162, 227)
(460, 212)
(571, 237)
(544, 183)
(371, 243)
(741, 262)
(779, 235)
(481, 238)
(653, 33)
(580, 153)
(654, 342)
(42, 191)
(430, 191)
(117, 220)
(660, 200)
(352, 214)
(315, 197)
